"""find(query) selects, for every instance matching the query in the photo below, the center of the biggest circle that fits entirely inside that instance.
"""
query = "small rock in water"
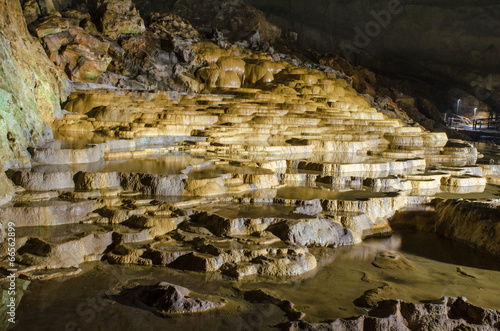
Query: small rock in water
(166, 298)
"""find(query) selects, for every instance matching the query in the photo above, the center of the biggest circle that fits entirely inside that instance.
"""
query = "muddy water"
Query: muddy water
(440, 267)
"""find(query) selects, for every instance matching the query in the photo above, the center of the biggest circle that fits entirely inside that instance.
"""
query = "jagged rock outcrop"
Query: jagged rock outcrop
(446, 314)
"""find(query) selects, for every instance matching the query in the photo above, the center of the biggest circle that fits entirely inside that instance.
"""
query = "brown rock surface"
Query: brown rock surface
(31, 87)
(120, 18)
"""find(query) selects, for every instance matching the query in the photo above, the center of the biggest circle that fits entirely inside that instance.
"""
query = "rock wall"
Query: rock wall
(453, 41)
(31, 87)
(474, 223)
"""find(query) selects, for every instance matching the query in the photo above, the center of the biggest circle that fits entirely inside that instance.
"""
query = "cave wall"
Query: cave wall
(31, 88)
(443, 40)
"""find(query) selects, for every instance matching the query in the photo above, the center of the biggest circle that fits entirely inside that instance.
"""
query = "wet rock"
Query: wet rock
(6, 189)
(311, 207)
(165, 252)
(46, 274)
(83, 56)
(342, 324)
(392, 260)
(263, 296)
(478, 225)
(120, 18)
(312, 232)
(153, 184)
(253, 38)
(169, 299)
(96, 181)
(47, 213)
(42, 181)
(32, 89)
(155, 226)
(371, 297)
(41, 254)
(5, 298)
(34, 196)
(223, 226)
(91, 154)
(205, 187)
(51, 25)
(119, 214)
(199, 262)
(128, 254)
(90, 27)
(446, 314)
(296, 263)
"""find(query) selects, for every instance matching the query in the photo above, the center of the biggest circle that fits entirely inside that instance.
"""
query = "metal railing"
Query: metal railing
(456, 121)
(489, 123)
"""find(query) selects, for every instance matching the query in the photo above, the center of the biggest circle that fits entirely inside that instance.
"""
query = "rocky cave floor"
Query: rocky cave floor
(265, 193)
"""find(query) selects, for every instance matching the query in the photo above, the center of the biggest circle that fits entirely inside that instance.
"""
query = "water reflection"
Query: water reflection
(170, 164)
(367, 250)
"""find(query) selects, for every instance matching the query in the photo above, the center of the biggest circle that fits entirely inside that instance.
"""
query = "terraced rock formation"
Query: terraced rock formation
(260, 171)
(271, 160)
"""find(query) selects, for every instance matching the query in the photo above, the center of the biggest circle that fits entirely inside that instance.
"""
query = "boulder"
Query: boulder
(166, 299)
(120, 18)
(312, 232)
(50, 25)
(391, 260)
(153, 184)
(85, 63)
(263, 296)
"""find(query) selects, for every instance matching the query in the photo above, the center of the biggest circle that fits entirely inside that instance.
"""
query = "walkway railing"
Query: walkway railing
(457, 121)
(488, 123)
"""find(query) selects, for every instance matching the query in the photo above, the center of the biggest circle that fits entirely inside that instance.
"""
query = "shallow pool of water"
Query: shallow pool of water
(440, 267)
